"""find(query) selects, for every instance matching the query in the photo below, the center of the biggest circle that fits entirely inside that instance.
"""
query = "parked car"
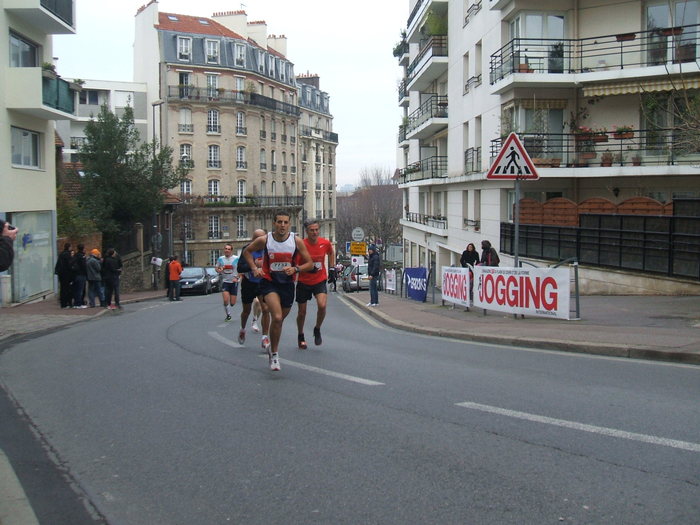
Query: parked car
(350, 280)
(194, 279)
(215, 278)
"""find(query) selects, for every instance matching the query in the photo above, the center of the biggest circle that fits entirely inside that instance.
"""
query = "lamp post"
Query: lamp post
(303, 210)
(156, 238)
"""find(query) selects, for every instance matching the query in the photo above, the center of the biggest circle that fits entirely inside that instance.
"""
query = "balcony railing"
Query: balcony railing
(430, 168)
(263, 134)
(472, 83)
(214, 128)
(472, 160)
(434, 221)
(435, 46)
(434, 107)
(57, 94)
(307, 131)
(241, 165)
(249, 201)
(213, 163)
(241, 130)
(473, 10)
(63, 9)
(648, 147)
(230, 97)
(77, 142)
(185, 128)
(216, 234)
(655, 47)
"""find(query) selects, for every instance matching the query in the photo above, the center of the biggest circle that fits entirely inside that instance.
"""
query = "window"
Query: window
(240, 55)
(273, 188)
(241, 232)
(213, 157)
(663, 14)
(185, 122)
(89, 97)
(273, 160)
(263, 159)
(186, 187)
(240, 124)
(23, 53)
(271, 66)
(213, 125)
(187, 229)
(214, 257)
(213, 86)
(184, 48)
(240, 88)
(213, 187)
(241, 191)
(214, 227)
(25, 147)
(263, 189)
(241, 163)
(212, 50)
(186, 155)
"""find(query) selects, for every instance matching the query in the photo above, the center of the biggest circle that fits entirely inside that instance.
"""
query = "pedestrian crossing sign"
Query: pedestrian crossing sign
(512, 162)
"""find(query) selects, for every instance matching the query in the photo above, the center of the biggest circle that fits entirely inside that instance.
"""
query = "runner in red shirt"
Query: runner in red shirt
(313, 283)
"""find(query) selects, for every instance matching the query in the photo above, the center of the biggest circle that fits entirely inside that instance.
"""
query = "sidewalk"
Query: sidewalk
(665, 328)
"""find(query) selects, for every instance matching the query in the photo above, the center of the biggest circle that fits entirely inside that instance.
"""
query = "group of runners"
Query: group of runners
(272, 270)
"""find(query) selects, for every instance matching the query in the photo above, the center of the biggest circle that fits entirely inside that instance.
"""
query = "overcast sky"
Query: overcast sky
(349, 44)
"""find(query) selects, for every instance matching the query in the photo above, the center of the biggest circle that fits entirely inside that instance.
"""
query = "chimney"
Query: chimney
(257, 30)
(310, 79)
(278, 43)
(236, 21)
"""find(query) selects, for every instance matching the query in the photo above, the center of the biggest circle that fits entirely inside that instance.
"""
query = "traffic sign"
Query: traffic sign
(358, 248)
(358, 234)
(513, 162)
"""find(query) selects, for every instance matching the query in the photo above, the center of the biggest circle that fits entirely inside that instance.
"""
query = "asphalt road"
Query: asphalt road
(158, 416)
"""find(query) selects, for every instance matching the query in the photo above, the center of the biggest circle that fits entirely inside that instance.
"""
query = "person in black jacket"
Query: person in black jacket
(469, 256)
(373, 269)
(489, 257)
(112, 266)
(7, 253)
(79, 269)
(65, 276)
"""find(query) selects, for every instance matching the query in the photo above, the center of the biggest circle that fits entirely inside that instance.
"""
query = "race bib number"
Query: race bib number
(279, 266)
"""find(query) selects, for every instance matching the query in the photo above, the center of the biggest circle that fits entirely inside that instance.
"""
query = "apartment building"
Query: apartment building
(34, 96)
(117, 95)
(591, 88)
(225, 98)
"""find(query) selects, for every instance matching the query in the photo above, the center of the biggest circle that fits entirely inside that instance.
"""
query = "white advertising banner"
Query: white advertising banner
(539, 292)
(455, 285)
(391, 280)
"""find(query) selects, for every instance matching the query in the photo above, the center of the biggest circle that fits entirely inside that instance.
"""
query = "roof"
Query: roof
(192, 24)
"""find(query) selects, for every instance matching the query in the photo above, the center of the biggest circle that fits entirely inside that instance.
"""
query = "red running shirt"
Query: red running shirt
(318, 254)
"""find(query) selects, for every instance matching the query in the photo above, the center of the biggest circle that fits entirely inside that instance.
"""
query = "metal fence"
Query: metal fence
(664, 245)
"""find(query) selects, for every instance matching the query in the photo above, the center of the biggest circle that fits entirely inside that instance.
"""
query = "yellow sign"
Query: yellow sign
(358, 248)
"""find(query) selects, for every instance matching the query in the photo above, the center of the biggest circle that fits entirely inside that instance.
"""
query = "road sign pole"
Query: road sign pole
(516, 211)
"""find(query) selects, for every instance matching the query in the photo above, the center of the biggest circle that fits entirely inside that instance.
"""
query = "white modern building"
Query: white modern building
(33, 97)
(589, 87)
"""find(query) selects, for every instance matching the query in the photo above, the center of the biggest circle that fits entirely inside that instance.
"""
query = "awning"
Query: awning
(631, 87)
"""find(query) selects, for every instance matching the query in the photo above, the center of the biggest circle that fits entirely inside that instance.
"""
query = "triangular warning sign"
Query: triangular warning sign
(512, 162)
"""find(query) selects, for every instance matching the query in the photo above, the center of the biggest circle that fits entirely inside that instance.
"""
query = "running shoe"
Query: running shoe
(265, 343)
(255, 326)
(317, 337)
(369, 304)
(241, 337)
(275, 362)
(228, 317)
(301, 341)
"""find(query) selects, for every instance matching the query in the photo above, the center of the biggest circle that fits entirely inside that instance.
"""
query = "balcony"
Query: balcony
(650, 147)
(434, 221)
(428, 119)
(318, 133)
(213, 164)
(241, 130)
(236, 201)
(226, 97)
(473, 82)
(653, 51)
(430, 168)
(214, 129)
(52, 17)
(403, 94)
(421, 12)
(185, 128)
(429, 65)
(472, 160)
(472, 11)
(29, 91)
(241, 165)
(263, 134)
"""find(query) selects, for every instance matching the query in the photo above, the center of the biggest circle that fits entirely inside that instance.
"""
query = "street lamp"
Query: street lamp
(154, 105)
(303, 211)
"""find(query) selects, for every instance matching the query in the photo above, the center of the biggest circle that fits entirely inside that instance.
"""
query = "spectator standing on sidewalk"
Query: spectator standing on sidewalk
(489, 256)
(94, 278)
(8, 234)
(373, 270)
(79, 269)
(174, 269)
(65, 276)
(469, 256)
(112, 272)
(313, 283)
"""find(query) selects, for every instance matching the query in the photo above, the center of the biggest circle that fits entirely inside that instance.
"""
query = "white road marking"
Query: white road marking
(309, 368)
(225, 341)
(354, 379)
(654, 440)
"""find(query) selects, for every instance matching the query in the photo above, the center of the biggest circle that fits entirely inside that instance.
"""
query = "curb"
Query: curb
(610, 350)
(14, 505)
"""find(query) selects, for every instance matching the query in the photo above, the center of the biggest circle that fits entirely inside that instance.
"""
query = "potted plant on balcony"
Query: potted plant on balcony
(555, 63)
(623, 132)
(636, 159)
(48, 70)
(606, 159)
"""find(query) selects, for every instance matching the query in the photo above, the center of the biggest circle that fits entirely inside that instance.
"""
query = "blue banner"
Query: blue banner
(416, 280)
